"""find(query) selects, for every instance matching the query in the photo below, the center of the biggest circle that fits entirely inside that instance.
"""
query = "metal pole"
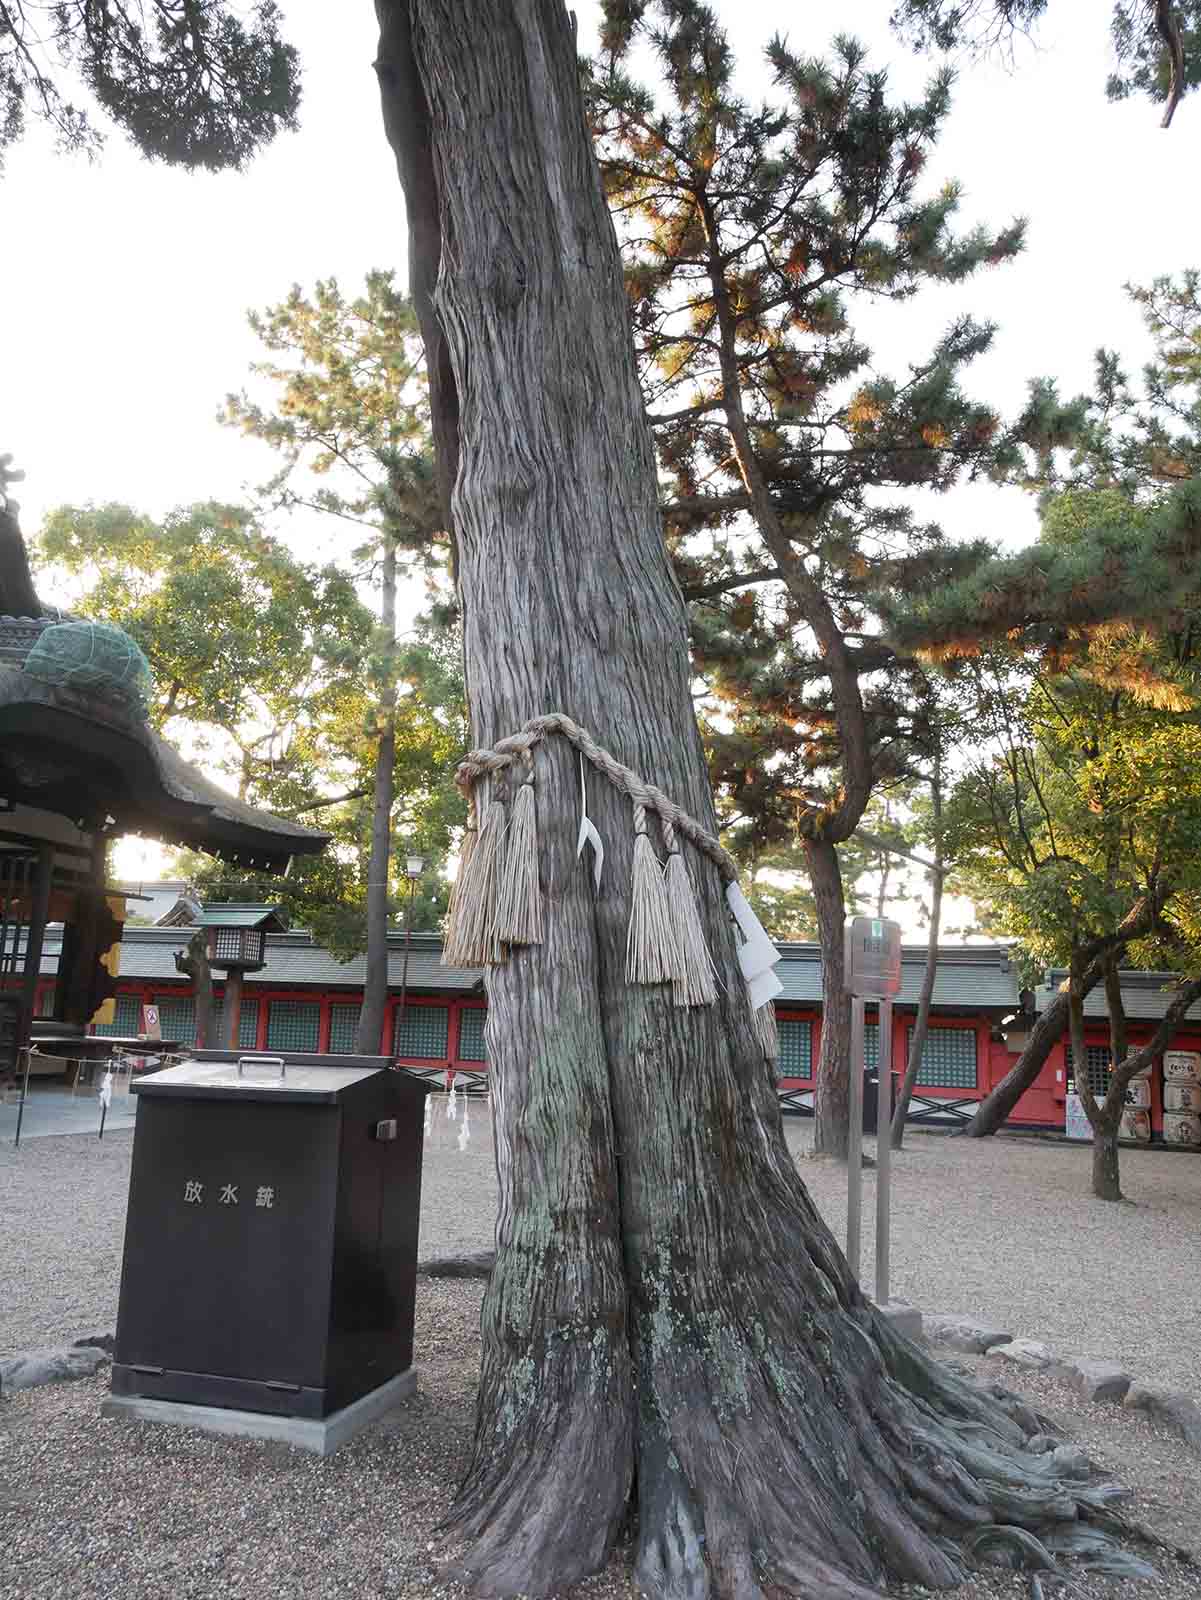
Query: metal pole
(883, 1148)
(24, 1097)
(855, 1140)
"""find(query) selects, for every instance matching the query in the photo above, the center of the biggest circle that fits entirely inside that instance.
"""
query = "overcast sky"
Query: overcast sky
(126, 285)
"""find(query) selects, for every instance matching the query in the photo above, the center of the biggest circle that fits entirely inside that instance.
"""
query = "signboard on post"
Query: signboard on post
(152, 1028)
(872, 957)
(871, 969)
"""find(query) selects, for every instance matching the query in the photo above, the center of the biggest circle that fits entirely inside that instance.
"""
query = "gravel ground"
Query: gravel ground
(92, 1507)
(1004, 1229)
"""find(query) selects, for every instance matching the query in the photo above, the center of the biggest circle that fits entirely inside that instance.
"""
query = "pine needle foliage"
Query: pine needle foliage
(1156, 43)
(194, 83)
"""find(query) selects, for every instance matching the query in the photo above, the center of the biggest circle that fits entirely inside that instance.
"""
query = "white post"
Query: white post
(855, 1139)
(883, 1147)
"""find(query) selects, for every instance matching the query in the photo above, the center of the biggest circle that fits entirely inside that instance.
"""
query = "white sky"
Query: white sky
(126, 285)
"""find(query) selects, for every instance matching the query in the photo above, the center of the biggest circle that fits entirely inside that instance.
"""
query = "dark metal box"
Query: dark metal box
(271, 1242)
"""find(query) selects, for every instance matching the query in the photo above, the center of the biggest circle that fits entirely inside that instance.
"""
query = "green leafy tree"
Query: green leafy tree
(1077, 837)
(1156, 43)
(751, 234)
(196, 83)
(261, 666)
(349, 415)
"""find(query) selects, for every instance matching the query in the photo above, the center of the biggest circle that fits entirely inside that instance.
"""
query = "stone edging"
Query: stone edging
(1104, 1381)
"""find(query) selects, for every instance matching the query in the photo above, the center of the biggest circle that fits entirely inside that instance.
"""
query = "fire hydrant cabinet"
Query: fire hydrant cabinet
(271, 1241)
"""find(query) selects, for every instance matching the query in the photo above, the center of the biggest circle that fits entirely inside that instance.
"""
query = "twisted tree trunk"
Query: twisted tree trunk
(666, 1301)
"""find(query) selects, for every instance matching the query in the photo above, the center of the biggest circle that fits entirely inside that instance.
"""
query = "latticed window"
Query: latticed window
(293, 1025)
(1096, 1057)
(948, 1058)
(343, 1029)
(227, 944)
(796, 1049)
(248, 1026)
(471, 1034)
(871, 1045)
(177, 1017)
(421, 1032)
(127, 1019)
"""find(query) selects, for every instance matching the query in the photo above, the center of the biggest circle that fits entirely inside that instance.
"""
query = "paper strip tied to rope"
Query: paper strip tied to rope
(497, 904)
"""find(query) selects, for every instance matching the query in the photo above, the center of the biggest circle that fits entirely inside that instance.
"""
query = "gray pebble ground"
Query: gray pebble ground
(1003, 1229)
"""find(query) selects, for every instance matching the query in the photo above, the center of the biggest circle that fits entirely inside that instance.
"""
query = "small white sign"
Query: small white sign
(1076, 1124)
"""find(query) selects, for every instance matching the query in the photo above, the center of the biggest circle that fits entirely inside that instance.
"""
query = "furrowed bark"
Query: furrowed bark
(665, 1293)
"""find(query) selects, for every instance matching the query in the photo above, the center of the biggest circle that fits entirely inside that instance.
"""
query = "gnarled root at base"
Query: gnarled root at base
(549, 1483)
(876, 1465)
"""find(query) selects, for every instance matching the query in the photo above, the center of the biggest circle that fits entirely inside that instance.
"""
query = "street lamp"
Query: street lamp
(414, 867)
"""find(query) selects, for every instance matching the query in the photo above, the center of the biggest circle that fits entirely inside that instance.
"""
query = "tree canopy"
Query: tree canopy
(1156, 43)
(195, 83)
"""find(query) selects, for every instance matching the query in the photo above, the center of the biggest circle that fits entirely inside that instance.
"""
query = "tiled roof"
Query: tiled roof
(241, 914)
(969, 976)
(1145, 995)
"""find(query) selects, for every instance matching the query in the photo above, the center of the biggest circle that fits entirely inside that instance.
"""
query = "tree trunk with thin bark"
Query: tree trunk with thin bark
(193, 962)
(375, 981)
(832, 1083)
(921, 1022)
(666, 1305)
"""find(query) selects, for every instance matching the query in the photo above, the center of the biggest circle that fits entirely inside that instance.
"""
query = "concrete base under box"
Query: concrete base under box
(322, 1438)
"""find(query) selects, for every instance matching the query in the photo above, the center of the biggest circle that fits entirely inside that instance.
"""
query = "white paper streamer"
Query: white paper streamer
(464, 1127)
(758, 954)
(589, 835)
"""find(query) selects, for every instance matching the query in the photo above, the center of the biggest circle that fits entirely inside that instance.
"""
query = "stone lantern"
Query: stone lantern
(236, 943)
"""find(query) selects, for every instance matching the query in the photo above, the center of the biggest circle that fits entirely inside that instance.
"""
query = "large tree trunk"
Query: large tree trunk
(832, 1084)
(665, 1299)
(375, 981)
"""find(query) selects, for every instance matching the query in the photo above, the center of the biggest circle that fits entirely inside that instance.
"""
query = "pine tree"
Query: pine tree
(751, 233)
(349, 416)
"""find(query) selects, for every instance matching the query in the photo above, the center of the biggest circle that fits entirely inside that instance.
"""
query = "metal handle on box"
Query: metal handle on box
(262, 1061)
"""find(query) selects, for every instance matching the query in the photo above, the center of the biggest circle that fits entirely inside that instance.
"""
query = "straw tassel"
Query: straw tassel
(652, 945)
(695, 987)
(519, 899)
(471, 834)
(471, 939)
(768, 1035)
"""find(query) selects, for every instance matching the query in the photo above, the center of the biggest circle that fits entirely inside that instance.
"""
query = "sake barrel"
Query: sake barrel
(1138, 1093)
(1181, 1066)
(1135, 1124)
(1182, 1127)
(1182, 1097)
